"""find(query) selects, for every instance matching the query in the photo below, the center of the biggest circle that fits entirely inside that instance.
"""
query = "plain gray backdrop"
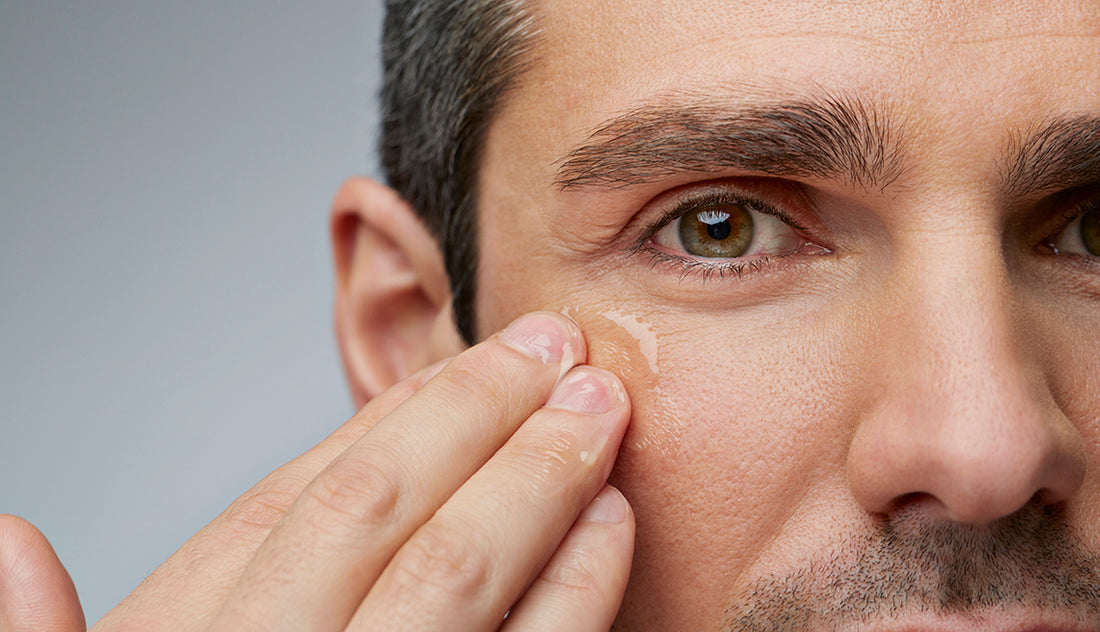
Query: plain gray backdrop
(165, 175)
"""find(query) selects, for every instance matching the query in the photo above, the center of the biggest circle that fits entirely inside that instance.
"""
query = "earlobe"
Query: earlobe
(392, 308)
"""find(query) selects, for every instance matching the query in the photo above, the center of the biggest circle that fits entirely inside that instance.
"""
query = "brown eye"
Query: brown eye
(721, 227)
(720, 231)
(1090, 231)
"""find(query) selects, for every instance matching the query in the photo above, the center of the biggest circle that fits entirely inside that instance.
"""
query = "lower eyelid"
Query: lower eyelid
(687, 264)
(705, 269)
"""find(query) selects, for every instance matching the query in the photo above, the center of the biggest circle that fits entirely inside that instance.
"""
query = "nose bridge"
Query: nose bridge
(956, 334)
(963, 413)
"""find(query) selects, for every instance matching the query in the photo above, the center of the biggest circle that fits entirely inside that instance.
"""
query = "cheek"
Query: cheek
(737, 434)
(628, 345)
(740, 429)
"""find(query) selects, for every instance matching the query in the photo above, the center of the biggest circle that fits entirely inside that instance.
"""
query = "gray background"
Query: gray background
(165, 289)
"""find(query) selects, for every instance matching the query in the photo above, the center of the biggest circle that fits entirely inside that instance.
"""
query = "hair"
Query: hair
(447, 64)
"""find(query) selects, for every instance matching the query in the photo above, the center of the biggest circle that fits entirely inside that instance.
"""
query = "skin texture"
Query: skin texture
(891, 426)
(933, 367)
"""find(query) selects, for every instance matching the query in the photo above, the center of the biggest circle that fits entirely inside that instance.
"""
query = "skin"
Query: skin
(931, 366)
(894, 427)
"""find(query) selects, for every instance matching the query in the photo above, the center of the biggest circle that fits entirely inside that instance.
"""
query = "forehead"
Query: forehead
(869, 42)
(951, 72)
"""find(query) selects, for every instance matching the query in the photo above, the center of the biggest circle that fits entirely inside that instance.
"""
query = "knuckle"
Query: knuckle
(494, 390)
(257, 512)
(576, 573)
(356, 492)
(443, 560)
(552, 462)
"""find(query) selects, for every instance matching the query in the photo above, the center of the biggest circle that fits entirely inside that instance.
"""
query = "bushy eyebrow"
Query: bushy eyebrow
(829, 137)
(1061, 154)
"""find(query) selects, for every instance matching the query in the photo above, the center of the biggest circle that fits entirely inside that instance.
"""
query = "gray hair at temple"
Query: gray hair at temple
(447, 65)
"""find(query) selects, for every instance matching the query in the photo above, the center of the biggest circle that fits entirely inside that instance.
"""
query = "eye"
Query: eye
(719, 227)
(1082, 235)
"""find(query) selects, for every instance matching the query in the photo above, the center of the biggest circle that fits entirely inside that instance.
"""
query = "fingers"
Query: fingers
(473, 559)
(209, 565)
(36, 593)
(580, 590)
(317, 566)
(436, 505)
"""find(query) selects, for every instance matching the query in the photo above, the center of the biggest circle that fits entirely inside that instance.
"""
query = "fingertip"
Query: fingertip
(36, 592)
(589, 389)
(549, 337)
(609, 507)
(578, 351)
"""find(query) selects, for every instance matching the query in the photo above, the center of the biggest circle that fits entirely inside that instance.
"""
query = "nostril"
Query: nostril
(911, 498)
(922, 502)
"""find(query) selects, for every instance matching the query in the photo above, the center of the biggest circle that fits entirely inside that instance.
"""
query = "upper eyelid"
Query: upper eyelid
(1050, 217)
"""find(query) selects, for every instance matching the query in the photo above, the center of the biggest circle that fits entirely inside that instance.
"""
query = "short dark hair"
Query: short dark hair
(447, 64)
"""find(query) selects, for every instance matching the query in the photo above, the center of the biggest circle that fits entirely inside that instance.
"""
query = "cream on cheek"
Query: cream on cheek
(732, 435)
(744, 393)
(704, 395)
(628, 345)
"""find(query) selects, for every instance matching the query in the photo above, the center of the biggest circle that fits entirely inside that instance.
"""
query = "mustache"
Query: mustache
(909, 563)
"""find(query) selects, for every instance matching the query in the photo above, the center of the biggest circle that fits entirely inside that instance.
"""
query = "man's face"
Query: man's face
(844, 259)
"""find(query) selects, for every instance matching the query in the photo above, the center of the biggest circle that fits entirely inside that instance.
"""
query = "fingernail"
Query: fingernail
(540, 336)
(609, 506)
(584, 391)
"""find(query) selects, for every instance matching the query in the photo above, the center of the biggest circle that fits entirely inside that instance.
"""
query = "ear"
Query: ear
(393, 301)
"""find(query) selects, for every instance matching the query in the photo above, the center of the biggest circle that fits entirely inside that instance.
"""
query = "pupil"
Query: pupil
(719, 231)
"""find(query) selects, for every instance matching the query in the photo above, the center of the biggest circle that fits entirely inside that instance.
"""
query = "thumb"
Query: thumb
(36, 593)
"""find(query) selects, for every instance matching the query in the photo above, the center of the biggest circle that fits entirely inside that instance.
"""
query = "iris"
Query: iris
(724, 231)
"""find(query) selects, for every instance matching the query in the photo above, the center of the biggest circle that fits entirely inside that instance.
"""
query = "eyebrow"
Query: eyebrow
(827, 138)
(1061, 154)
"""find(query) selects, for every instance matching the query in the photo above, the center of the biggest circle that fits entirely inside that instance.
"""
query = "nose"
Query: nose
(961, 418)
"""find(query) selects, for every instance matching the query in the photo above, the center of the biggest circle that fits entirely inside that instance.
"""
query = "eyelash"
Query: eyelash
(706, 271)
(1074, 213)
(700, 267)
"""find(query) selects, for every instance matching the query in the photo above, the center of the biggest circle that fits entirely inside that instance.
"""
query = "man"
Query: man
(844, 260)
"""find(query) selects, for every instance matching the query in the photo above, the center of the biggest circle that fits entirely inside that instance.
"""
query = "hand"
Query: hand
(444, 503)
